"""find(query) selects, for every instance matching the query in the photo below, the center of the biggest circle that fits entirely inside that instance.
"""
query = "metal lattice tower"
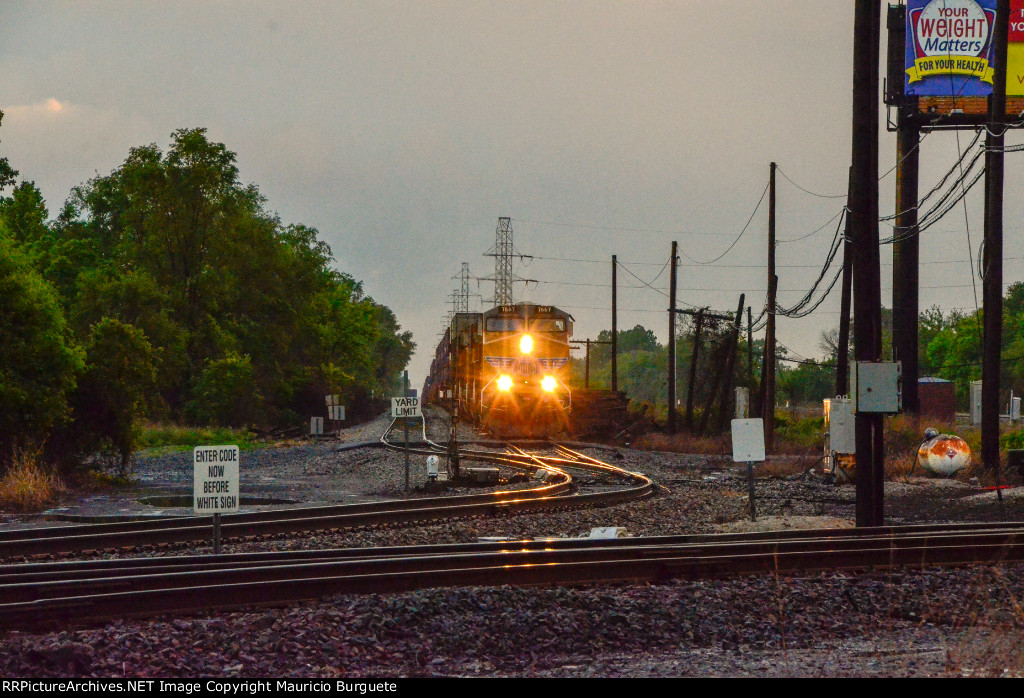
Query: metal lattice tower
(503, 253)
(460, 298)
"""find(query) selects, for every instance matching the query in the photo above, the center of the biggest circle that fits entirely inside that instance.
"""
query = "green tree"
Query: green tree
(39, 360)
(226, 393)
(24, 212)
(113, 391)
(7, 173)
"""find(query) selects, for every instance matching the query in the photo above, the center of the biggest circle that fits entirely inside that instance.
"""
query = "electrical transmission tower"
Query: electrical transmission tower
(502, 253)
(460, 298)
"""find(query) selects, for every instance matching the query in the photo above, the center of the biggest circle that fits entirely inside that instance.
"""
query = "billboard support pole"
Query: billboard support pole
(906, 246)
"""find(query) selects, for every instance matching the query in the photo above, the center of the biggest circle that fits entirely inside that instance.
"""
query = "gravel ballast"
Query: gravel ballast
(963, 621)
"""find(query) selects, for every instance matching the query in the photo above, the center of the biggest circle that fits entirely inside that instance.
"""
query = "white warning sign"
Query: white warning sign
(405, 407)
(215, 480)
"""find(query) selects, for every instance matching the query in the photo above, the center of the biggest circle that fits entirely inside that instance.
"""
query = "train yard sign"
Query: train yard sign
(402, 407)
(215, 480)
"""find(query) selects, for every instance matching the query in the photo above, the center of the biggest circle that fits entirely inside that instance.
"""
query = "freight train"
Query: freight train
(507, 369)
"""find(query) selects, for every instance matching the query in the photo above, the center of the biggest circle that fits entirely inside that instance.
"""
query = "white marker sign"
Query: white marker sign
(215, 480)
(405, 407)
(747, 440)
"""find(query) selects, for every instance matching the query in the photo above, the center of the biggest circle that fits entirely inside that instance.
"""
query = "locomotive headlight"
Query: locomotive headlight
(548, 383)
(504, 382)
(526, 344)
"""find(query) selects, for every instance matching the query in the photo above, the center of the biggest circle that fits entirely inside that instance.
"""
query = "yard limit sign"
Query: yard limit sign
(406, 408)
(215, 484)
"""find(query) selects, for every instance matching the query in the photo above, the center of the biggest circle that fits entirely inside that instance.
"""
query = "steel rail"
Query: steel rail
(45, 571)
(64, 539)
(88, 599)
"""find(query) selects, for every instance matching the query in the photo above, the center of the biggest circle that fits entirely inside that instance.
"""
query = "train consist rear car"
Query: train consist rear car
(507, 369)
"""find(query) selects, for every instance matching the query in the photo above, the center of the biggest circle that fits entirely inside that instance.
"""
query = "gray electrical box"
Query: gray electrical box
(876, 387)
(841, 428)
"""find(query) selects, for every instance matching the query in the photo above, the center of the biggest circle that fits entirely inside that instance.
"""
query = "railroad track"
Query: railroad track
(38, 595)
(555, 491)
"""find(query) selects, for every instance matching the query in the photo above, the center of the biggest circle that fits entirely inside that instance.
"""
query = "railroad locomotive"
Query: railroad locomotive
(506, 368)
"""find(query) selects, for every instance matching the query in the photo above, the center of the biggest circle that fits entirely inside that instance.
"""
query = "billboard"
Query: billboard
(1015, 51)
(949, 48)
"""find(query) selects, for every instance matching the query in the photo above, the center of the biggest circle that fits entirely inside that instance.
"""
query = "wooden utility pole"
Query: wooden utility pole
(672, 417)
(906, 246)
(992, 261)
(730, 363)
(699, 315)
(767, 397)
(698, 325)
(586, 378)
(867, 326)
(750, 354)
(843, 350)
(587, 343)
(615, 326)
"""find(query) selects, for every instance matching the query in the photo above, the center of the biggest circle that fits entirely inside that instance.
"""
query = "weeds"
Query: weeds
(27, 486)
(176, 438)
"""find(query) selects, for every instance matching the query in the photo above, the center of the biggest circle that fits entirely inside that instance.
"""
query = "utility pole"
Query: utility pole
(767, 401)
(730, 363)
(587, 343)
(586, 376)
(698, 325)
(992, 262)
(750, 354)
(699, 315)
(906, 246)
(867, 325)
(672, 418)
(615, 327)
(843, 350)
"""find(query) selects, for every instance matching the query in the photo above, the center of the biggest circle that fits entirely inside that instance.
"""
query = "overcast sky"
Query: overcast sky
(403, 130)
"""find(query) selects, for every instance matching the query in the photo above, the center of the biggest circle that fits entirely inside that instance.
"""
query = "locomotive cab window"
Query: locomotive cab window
(504, 324)
(549, 325)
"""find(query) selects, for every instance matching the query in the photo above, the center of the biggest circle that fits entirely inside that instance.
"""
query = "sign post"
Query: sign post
(215, 484)
(406, 408)
(405, 393)
(748, 447)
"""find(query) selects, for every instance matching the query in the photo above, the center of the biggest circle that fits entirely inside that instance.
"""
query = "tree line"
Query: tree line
(167, 290)
(950, 347)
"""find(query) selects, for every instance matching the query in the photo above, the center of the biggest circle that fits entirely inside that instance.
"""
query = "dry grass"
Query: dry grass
(27, 486)
(686, 443)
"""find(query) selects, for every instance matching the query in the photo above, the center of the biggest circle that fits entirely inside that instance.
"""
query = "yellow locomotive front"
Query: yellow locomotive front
(526, 356)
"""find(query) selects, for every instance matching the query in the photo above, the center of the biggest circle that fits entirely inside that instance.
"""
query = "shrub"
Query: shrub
(26, 486)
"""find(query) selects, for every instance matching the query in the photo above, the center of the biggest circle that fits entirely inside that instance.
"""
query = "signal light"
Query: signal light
(548, 383)
(504, 382)
(526, 344)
